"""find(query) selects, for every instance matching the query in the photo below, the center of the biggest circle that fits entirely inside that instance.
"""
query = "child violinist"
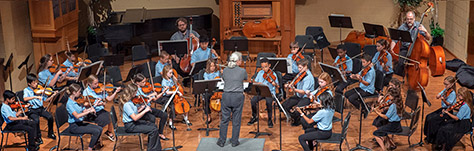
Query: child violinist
(324, 81)
(383, 60)
(140, 80)
(433, 120)
(211, 72)
(384, 99)
(37, 109)
(366, 79)
(264, 76)
(169, 80)
(77, 111)
(294, 47)
(48, 78)
(164, 60)
(303, 81)
(16, 122)
(69, 62)
(203, 52)
(101, 97)
(134, 108)
(344, 63)
(323, 120)
(457, 123)
(395, 108)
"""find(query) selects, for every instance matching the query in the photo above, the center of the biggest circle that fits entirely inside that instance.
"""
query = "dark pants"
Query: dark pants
(155, 113)
(207, 102)
(310, 134)
(341, 85)
(232, 103)
(147, 128)
(354, 98)
(254, 103)
(163, 101)
(29, 127)
(86, 128)
(387, 78)
(433, 123)
(295, 101)
(41, 112)
(101, 118)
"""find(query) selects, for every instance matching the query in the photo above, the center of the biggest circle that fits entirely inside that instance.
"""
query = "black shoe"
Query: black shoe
(165, 138)
(236, 144)
(392, 148)
(220, 143)
(252, 121)
(39, 141)
(270, 124)
(172, 127)
(52, 136)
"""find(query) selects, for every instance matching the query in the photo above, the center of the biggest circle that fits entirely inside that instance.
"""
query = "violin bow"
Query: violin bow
(21, 106)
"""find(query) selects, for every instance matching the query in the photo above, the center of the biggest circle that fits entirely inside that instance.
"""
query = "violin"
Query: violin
(365, 71)
(86, 61)
(64, 68)
(308, 107)
(17, 105)
(158, 87)
(297, 79)
(269, 76)
(445, 95)
(139, 99)
(216, 100)
(109, 88)
(40, 90)
(298, 56)
(147, 88)
(86, 101)
(53, 68)
(321, 90)
(457, 105)
(341, 63)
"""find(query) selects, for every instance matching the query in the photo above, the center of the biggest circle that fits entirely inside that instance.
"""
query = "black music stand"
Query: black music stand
(238, 45)
(374, 31)
(286, 115)
(403, 36)
(205, 86)
(175, 148)
(425, 100)
(7, 67)
(280, 64)
(198, 66)
(113, 60)
(263, 91)
(334, 72)
(176, 47)
(340, 22)
(25, 63)
(131, 73)
(363, 108)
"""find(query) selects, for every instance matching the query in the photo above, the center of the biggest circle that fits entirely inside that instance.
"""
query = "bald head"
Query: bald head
(410, 18)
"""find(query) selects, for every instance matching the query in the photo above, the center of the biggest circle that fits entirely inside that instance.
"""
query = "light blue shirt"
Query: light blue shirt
(323, 118)
(294, 66)
(315, 92)
(370, 78)
(451, 99)
(128, 109)
(35, 103)
(159, 68)
(140, 92)
(7, 112)
(306, 84)
(199, 55)
(259, 78)
(71, 107)
(210, 76)
(463, 113)
(89, 91)
(43, 77)
(392, 113)
(167, 83)
(378, 65)
(348, 62)
(68, 64)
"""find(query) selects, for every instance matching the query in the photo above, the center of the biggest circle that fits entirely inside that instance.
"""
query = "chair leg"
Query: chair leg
(59, 142)
(69, 144)
(6, 140)
(82, 143)
(141, 141)
(409, 143)
(1, 144)
(472, 143)
(26, 142)
(115, 143)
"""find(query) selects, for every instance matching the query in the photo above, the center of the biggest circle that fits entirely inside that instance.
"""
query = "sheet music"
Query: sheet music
(220, 85)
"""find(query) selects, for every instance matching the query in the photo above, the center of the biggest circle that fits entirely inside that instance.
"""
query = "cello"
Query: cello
(420, 51)
(185, 63)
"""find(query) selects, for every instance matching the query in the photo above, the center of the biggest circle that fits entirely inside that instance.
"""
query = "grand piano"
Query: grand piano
(124, 29)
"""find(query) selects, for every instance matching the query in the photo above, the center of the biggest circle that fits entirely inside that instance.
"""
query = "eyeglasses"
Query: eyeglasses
(181, 24)
(294, 47)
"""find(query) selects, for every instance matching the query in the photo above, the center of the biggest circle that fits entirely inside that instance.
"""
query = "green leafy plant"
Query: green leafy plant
(409, 3)
(405, 6)
(436, 31)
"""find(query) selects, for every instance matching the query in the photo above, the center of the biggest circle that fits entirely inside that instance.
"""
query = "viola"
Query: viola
(157, 87)
(53, 68)
(16, 105)
(297, 79)
(139, 99)
(308, 107)
(384, 104)
(64, 68)
(86, 101)
(365, 71)
(147, 88)
(40, 90)
(298, 56)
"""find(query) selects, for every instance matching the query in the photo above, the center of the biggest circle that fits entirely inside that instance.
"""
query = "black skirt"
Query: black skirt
(390, 127)
(432, 124)
(452, 132)
(379, 121)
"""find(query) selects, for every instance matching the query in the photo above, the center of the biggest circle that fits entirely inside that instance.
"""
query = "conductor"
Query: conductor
(232, 99)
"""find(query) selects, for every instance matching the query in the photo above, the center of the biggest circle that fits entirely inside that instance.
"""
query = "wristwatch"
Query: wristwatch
(302, 114)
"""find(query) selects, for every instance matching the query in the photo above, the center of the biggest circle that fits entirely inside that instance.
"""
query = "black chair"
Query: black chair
(139, 52)
(6, 131)
(144, 69)
(378, 85)
(411, 102)
(20, 96)
(408, 131)
(339, 103)
(310, 60)
(356, 65)
(120, 131)
(61, 117)
(370, 50)
(263, 54)
(309, 41)
(338, 138)
(115, 74)
(318, 35)
(96, 51)
(353, 49)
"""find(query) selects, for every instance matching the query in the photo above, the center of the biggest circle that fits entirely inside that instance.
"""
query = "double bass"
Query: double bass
(185, 63)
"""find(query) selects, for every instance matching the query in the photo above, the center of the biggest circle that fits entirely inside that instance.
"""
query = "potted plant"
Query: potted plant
(437, 33)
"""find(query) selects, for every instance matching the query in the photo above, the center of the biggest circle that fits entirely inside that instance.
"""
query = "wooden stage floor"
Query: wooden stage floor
(190, 139)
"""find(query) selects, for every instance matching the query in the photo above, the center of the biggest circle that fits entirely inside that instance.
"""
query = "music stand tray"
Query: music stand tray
(131, 73)
(375, 30)
(280, 64)
(236, 45)
(334, 72)
(340, 21)
(177, 47)
(198, 66)
(203, 86)
(401, 35)
(93, 68)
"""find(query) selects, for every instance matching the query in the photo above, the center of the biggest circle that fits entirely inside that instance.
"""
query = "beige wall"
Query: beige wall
(17, 39)
(121, 5)
(457, 23)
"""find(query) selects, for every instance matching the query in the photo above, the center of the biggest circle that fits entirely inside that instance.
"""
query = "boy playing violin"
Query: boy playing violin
(366, 77)
(203, 52)
(164, 60)
(15, 122)
(267, 77)
(294, 47)
(344, 63)
(36, 109)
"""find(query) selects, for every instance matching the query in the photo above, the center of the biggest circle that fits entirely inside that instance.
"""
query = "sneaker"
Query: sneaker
(110, 136)
(270, 124)
(236, 144)
(220, 143)
(188, 122)
(252, 121)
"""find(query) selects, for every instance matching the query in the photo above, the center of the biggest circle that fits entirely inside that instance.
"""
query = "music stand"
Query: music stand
(333, 52)
(25, 63)
(280, 64)
(263, 91)
(403, 36)
(85, 72)
(176, 47)
(113, 60)
(205, 86)
(374, 30)
(286, 115)
(7, 67)
(172, 130)
(198, 66)
(238, 45)
(334, 72)
(131, 73)
(363, 108)
(340, 22)
(425, 100)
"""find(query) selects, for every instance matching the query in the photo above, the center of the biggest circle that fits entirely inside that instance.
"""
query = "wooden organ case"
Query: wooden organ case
(53, 23)
(235, 13)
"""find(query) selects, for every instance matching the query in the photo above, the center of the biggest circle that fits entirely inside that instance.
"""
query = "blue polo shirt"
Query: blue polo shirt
(463, 113)
(451, 99)
(7, 112)
(392, 113)
(159, 68)
(199, 55)
(294, 66)
(167, 83)
(128, 109)
(378, 65)
(306, 84)
(45, 77)
(68, 64)
(323, 118)
(89, 91)
(71, 107)
(348, 63)
(370, 78)
(260, 78)
(35, 103)
(210, 76)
